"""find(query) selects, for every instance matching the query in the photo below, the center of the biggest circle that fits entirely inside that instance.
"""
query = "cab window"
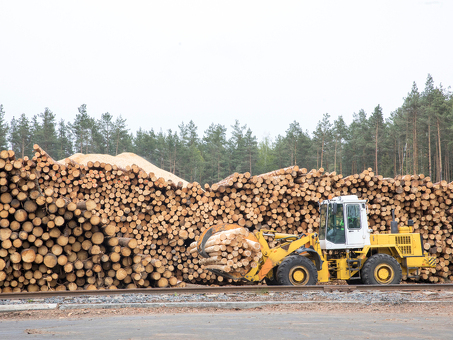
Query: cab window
(335, 225)
(353, 215)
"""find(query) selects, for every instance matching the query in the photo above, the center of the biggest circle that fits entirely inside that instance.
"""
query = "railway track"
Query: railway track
(227, 289)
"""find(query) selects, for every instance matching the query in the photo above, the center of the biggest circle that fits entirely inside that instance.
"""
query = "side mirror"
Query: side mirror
(334, 208)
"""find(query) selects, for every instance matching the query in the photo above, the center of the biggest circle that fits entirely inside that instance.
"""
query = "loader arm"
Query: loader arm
(305, 245)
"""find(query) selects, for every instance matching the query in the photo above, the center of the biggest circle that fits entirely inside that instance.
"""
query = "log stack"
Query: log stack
(53, 236)
(94, 226)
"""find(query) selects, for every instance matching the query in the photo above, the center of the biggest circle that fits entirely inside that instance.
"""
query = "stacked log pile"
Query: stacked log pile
(55, 235)
(73, 226)
(157, 218)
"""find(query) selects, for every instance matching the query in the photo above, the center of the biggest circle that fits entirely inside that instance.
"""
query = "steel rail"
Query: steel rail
(257, 289)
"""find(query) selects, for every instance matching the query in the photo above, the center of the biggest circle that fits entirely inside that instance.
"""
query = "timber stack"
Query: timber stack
(55, 235)
(97, 226)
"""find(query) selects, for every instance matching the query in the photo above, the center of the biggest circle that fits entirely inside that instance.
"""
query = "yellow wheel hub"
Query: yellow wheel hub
(299, 275)
(384, 273)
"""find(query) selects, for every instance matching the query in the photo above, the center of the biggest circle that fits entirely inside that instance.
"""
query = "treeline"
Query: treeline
(416, 138)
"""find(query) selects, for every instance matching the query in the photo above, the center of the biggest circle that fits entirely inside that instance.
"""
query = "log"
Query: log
(28, 255)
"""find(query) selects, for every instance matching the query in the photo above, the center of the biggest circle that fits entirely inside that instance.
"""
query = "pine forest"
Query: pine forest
(415, 139)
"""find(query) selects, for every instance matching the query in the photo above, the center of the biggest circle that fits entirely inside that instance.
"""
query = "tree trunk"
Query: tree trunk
(440, 150)
(429, 151)
(317, 158)
(335, 157)
(117, 143)
(406, 155)
(376, 149)
(322, 149)
(395, 152)
(218, 168)
(414, 151)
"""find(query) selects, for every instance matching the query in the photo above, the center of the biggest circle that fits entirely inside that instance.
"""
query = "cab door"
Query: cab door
(354, 233)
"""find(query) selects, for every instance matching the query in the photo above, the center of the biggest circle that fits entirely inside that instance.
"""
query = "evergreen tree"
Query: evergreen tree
(122, 139)
(189, 154)
(35, 129)
(387, 156)
(237, 161)
(160, 150)
(214, 146)
(192, 134)
(398, 132)
(376, 122)
(172, 145)
(441, 110)
(64, 148)
(266, 156)
(411, 107)
(81, 130)
(282, 157)
(322, 137)
(3, 129)
(145, 145)
(427, 99)
(12, 132)
(340, 132)
(195, 165)
(21, 136)
(357, 148)
(45, 134)
(106, 138)
(293, 135)
(183, 150)
(251, 150)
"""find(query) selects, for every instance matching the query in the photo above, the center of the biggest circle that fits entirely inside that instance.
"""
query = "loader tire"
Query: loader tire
(381, 269)
(297, 270)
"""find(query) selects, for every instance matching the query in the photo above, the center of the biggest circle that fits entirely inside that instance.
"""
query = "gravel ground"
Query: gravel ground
(367, 297)
(382, 303)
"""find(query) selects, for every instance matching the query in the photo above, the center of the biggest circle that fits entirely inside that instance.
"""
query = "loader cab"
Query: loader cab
(343, 223)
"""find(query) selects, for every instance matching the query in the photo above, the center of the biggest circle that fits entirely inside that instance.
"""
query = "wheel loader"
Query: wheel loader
(344, 249)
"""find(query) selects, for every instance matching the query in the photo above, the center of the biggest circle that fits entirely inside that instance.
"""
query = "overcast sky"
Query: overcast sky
(160, 63)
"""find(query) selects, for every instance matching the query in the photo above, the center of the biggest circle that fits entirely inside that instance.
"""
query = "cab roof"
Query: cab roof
(344, 199)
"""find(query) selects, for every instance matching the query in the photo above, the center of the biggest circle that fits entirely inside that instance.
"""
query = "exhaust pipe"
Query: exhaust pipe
(394, 224)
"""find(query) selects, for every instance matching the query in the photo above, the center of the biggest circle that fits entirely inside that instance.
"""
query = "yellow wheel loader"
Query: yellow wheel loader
(344, 249)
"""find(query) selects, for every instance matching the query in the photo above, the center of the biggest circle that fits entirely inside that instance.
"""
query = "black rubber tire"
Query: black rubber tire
(300, 266)
(391, 269)
(273, 281)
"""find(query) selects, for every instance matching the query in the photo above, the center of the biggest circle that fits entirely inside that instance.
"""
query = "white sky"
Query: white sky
(159, 63)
